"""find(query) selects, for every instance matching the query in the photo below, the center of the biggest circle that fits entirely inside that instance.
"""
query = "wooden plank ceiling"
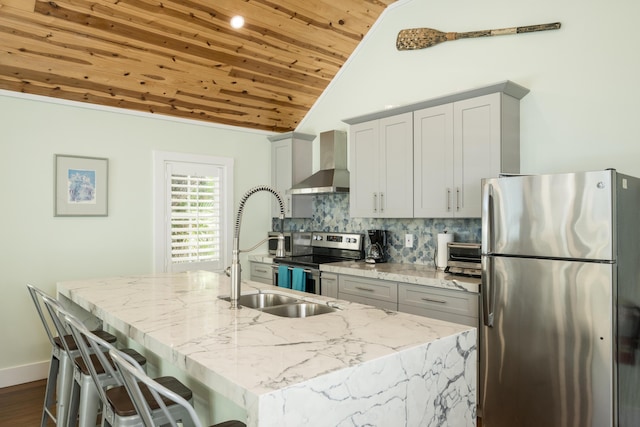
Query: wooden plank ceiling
(181, 57)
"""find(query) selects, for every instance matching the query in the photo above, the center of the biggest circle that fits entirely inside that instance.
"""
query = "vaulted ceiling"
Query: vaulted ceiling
(181, 57)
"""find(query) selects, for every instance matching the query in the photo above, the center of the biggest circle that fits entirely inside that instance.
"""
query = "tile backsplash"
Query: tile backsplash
(331, 213)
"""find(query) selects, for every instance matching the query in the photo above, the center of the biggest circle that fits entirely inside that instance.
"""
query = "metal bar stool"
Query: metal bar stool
(150, 397)
(117, 409)
(84, 401)
(60, 376)
(91, 378)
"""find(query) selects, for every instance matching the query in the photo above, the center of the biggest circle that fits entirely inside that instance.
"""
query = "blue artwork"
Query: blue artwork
(82, 186)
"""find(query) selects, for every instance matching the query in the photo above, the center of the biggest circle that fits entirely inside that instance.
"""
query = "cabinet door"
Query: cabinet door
(290, 164)
(395, 197)
(281, 172)
(433, 162)
(477, 144)
(363, 178)
(328, 284)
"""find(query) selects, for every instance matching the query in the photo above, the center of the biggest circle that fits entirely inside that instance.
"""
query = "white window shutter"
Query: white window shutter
(194, 217)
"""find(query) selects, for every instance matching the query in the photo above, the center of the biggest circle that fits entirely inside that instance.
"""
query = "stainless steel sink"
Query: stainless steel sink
(263, 300)
(299, 309)
(282, 305)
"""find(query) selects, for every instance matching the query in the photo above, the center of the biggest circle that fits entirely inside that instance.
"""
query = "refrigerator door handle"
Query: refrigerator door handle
(487, 219)
(487, 291)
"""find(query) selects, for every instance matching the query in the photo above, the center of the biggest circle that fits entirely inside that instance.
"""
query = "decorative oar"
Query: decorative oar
(421, 38)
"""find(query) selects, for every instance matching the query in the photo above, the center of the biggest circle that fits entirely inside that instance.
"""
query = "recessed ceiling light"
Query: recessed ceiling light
(237, 21)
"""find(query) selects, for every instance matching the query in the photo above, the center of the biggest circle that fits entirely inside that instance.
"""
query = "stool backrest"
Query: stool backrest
(90, 344)
(56, 311)
(135, 381)
(36, 296)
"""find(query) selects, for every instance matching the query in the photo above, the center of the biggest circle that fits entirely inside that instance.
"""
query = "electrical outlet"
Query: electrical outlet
(408, 240)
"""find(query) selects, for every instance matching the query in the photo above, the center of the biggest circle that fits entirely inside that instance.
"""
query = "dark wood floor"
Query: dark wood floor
(21, 405)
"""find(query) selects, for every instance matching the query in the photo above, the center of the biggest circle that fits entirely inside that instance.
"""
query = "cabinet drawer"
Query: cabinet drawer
(387, 305)
(368, 288)
(438, 314)
(261, 273)
(448, 301)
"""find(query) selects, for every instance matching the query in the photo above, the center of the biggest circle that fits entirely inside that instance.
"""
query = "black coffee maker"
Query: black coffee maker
(378, 250)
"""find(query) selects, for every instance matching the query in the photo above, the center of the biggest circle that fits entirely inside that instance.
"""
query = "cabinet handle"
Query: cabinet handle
(261, 271)
(364, 289)
(448, 200)
(381, 202)
(375, 202)
(458, 199)
(439, 301)
(289, 204)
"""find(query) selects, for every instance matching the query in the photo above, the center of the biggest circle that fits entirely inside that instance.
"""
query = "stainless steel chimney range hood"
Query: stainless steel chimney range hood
(333, 176)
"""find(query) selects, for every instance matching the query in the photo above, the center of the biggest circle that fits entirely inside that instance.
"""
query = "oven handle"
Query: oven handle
(306, 270)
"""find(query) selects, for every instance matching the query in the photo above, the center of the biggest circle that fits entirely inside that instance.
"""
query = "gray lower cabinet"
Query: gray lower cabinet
(329, 284)
(444, 304)
(261, 272)
(378, 293)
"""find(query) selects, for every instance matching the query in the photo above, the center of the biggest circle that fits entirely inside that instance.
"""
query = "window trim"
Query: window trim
(160, 158)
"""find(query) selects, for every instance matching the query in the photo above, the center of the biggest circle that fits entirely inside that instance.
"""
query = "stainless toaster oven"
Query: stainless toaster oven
(464, 259)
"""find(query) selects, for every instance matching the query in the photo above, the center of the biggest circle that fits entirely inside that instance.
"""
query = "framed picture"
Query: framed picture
(81, 186)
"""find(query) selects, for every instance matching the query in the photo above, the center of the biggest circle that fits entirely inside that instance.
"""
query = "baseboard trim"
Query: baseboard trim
(23, 374)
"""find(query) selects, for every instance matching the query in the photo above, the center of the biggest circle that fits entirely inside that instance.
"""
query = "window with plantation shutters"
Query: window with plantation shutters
(195, 218)
(192, 230)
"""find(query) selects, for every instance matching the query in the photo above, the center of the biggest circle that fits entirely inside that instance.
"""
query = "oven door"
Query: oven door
(312, 283)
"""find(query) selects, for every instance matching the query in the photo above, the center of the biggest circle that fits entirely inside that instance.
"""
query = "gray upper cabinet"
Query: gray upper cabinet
(381, 175)
(458, 144)
(291, 162)
(454, 142)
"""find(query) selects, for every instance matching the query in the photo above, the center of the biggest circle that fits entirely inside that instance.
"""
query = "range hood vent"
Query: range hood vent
(333, 176)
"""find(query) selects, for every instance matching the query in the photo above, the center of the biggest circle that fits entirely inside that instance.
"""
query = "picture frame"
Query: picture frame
(81, 185)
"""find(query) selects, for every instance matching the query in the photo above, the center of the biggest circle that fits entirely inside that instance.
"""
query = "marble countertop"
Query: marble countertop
(406, 273)
(283, 371)
(264, 258)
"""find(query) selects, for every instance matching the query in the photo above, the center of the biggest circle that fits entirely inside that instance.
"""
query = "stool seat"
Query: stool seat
(123, 405)
(98, 366)
(232, 423)
(71, 344)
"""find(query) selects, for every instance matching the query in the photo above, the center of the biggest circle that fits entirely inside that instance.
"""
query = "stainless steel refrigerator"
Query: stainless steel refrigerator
(561, 301)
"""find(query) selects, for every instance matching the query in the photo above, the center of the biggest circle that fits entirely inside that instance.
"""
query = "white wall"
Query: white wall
(580, 113)
(38, 248)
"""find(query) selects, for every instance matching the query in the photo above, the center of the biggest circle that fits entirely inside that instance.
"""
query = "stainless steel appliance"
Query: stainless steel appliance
(333, 176)
(378, 246)
(561, 298)
(325, 247)
(295, 242)
(464, 259)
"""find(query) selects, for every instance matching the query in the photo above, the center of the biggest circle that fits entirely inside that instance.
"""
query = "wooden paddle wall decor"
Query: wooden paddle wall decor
(421, 38)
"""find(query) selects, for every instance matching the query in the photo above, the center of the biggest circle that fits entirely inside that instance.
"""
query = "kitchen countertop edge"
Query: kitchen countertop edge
(415, 274)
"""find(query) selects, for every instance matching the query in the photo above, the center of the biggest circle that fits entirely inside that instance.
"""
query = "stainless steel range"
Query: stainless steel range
(325, 247)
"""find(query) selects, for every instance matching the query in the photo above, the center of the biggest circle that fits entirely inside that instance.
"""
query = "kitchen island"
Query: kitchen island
(356, 366)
